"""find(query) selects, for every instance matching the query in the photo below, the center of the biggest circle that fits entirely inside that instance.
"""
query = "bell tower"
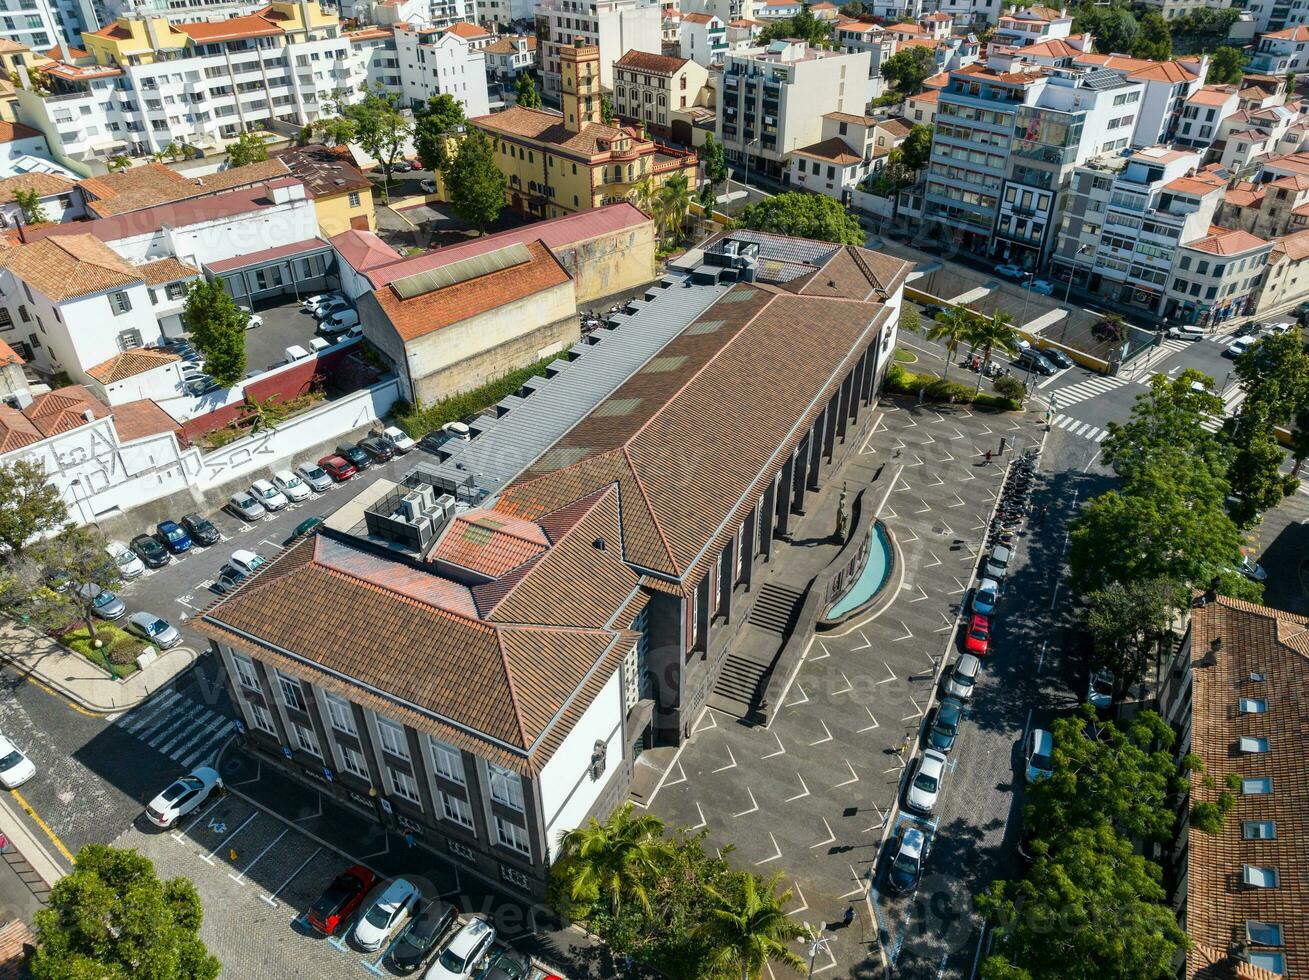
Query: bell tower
(579, 68)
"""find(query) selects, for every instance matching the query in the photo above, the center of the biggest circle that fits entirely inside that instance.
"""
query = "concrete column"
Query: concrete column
(768, 516)
(800, 476)
(782, 506)
(816, 440)
(829, 434)
(842, 400)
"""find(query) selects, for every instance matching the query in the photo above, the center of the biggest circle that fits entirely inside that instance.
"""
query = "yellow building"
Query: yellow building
(342, 195)
(559, 164)
(14, 58)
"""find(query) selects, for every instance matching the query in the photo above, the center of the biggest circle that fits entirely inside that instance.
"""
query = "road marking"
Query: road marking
(54, 838)
(822, 741)
(753, 806)
(1040, 660)
(908, 634)
(831, 836)
(208, 858)
(866, 644)
(803, 695)
(854, 776)
(709, 713)
(237, 878)
(777, 852)
(890, 674)
(804, 791)
(699, 810)
(781, 749)
(869, 728)
(272, 899)
(845, 690)
(177, 831)
(822, 656)
(730, 765)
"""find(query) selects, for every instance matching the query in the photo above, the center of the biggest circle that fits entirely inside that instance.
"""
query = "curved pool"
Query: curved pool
(870, 581)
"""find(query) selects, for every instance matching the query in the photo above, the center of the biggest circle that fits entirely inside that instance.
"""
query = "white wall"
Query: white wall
(160, 383)
(567, 790)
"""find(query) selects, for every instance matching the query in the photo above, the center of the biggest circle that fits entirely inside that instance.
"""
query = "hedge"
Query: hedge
(417, 420)
(940, 390)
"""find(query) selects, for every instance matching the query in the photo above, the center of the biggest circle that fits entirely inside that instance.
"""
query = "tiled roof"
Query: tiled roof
(63, 409)
(44, 184)
(69, 266)
(14, 936)
(928, 96)
(1298, 33)
(1162, 71)
(420, 315)
(323, 170)
(1244, 194)
(141, 418)
(509, 44)
(1213, 95)
(1198, 184)
(548, 127)
(695, 17)
(834, 150)
(1056, 47)
(490, 543)
(154, 184)
(10, 131)
(8, 356)
(1249, 642)
(466, 30)
(1224, 241)
(230, 29)
(1295, 246)
(1295, 182)
(896, 127)
(850, 118)
(363, 250)
(129, 364)
(16, 430)
(251, 259)
(164, 270)
(654, 64)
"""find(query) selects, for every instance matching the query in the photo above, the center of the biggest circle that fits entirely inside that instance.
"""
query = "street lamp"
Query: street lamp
(746, 182)
(817, 944)
(1068, 288)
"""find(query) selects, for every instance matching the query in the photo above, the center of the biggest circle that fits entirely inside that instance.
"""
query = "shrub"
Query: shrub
(120, 647)
(1208, 817)
(417, 420)
(988, 400)
(952, 391)
(1011, 388)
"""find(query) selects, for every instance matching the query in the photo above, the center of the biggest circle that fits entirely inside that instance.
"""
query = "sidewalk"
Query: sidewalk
(39, 658)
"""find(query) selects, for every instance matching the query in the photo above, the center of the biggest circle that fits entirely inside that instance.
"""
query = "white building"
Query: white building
(703, 38)
(509, 56)
(59, 197)
(1281, 51)
(853, 149)
(725, 10)
(1274, 15)
(374, 60)
(31, 23)
(617, 26)
(440, 62)
(504, 13)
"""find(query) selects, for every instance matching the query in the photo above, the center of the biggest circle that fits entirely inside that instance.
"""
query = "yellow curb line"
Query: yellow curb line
(55, 694)
(44, 826)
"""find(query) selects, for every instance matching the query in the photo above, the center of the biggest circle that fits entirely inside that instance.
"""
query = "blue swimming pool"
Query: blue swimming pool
(870, 580)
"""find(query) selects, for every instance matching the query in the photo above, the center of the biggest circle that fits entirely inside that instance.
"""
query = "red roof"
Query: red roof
(1226, 241)
(231, 29)
(10, 131)
(363, 250)
(8, 355)
(267, 255)
(138, 419)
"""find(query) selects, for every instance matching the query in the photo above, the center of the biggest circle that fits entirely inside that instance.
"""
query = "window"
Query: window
(292, 696)
(1252, 743)
(127, 339)
(506, 787)
(175, 290)
(1259, 830)
(512, 835)
(1256, 786)
(1253, 706)
(6, 321)
(404, 785)
(338, 711)
(24, 315)
(447, 761)
(457, 809)
(353, 762)
(245, 671)
(304, 738)
(262, 719)
(1263, 933)
(1259, 877)
(353, 199)
(120, 303)
(1272, 962)
(392, 737)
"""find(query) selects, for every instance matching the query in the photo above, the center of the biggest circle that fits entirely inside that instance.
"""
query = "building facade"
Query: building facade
(647, 87)
(435, 61)
(612, 26)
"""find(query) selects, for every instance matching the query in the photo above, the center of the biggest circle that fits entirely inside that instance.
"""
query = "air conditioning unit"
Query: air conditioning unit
(411, 507)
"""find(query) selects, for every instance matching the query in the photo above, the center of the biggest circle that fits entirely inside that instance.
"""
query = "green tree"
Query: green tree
(217, 327)
(476, 185)
(606, 110)
(528, 97)
(612, 862)
(854, 8)
(672, 205)
(33, 210)
(1171, 414)
(1011, 388)
(32, 506)
(1154, 40)
(909, 68)
(1254, 473)
(1275, 372)
(1127, 623)
(1290, 84)
(950, 329)
(644, 194)
(917, 147)
(119, 162)
(248, 148)
(1114, 27)
(434, 131)
(1299, 439)
(804, 216)
(715, 166)
(377, 125)
(1226, 65)
(910, 320)
(78, 557)
(804, 26)
(748, 928)
(113, 919)
(990, 334)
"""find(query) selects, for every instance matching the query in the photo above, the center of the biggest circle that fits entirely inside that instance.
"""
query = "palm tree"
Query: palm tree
(615, 859)
(643, 195)
(951, 329)
(750, 928)
(673, 204)
(993, 333)
(119, 162)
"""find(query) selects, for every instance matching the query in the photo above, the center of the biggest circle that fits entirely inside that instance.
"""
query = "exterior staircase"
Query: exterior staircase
(776, 609)
(743, 679)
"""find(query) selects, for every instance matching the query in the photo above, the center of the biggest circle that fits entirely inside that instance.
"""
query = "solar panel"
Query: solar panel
(474, 267)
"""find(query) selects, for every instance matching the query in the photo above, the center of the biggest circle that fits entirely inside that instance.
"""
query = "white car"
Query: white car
(1238, 347)
(182, 797)
(925, 788)
(1277, 329)
(427, 185)
(246, 562)
(461, 955)
(1186, 333)
(985, 596)
(252, 319)
(963, 677)
(291, 485)
(312, 303)
(1251, 569)
(1038, 754)
(15, 768)
(395, 904)
(400, 442)
(1100, 690)
(125, 559)
(997, 562)
(268, 495)
(315, 476)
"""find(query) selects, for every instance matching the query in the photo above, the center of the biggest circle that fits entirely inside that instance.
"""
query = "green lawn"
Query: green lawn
(905, 357)
(120, 647)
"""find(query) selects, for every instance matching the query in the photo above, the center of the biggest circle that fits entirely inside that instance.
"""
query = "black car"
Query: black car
(1059, 358)
(906, 865)
(228, 579)
(945, 725)
(932, 310)
(150, 551)
(509, 965)
(379, 449)
(201, 529)
(402, 167)
(201, 386)
(1033, 358)
(359, 459)
(434, 440)
(421, 936)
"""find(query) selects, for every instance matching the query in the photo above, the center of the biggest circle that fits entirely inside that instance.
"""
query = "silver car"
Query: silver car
(154, 630)
(997, 562)
(245, 506)
(961, 680)
(315, 476)
(104, 604)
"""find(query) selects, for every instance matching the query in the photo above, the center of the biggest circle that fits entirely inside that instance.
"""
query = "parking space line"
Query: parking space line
(237, 878)
(777, 851)
(209, 858)
(272, 899)
(177, 834)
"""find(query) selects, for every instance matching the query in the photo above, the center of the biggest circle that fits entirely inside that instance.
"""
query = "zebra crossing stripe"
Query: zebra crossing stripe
(134, 724)
(1076, 427)
(189, 733)
(209, 745)
(187, 739)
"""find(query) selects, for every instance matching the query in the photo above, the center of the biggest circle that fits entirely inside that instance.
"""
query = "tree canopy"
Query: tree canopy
(715, 166)
(29, 202)
(525, 89)
(804, 216)
(32, 508)
(1154, 39)
(909, 68)
(476, 185)
(248, 148)
(434, 130)
(78, 558)
(1126, 623)
(1226, 65)
(376, 124)
(917, 147)
(803, 26)
(217, 328)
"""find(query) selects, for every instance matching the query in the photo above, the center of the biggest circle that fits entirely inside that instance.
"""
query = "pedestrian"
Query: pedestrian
(987, 454)
(1045, 510)
(849, 916)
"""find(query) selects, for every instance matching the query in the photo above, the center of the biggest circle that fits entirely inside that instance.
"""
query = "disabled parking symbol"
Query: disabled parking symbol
(217, 826)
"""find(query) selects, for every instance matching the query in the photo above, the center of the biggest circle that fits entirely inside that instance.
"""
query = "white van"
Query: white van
(342, 320)
(295, 353)
(457, 430)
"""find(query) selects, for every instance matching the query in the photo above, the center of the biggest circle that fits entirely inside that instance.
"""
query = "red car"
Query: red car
(978, 637)
(341, 899)
(338, 468)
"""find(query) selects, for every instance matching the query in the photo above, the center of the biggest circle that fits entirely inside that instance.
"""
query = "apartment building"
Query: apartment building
(1203, 113)
(1286, 281)
(1278, 52)
(778, 9)
(532, 698)
(561, 163)
(504, 13)
(1168, 84)
(374, 61)
(509, 56)
(725, 10)
(435, 61)
(1250, 135)
(1274, 15)
(1234, 695)
(1216, 277)
(702, 37)
(613, 26)
(1022, 27)
(1274, 203)
(648, 87)
(1171, 9)
(852, 150)
(30, 23)
(771, 100)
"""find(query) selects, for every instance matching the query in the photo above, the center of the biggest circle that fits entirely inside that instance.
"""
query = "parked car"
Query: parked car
(15, 767)
(945, 724)
(985, 596)
(1010, 271)
(305, 527)
(338, 468)
(977, 638)
(315, 476)
(1057, 357)
(313, 303)
(395, 904)
(926, 785)
(128, 565)
(104, 604)
(427, 185)
(1251, 569)
(1042, 286)
(378, 449)
(1100, 689)
(340, 321)
(150, 551)
(246, 507)
(1030, 357)
(252, 319)
(458, 431)
(244, 560)
(1277, 329)
(402, 167)
(331, 307)
(201, 529)
(963, 677)
(509, 965)
(433, 440)
(421, 936)
(359, 459)
(1185, 333)
(1238, 347)
(932, 310)
(228, 579)
(997, 562)
(906, 865)
(268, 495)
(155, 631)
(291, 486)
(173, 536)
(400, 442)
(1038, 755)
(340, 899)
(202, 385)
(183, 796)
(460, 956)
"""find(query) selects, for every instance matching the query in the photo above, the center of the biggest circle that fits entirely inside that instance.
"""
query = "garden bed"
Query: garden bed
(418, 420)
(117, 655)
(935, 389)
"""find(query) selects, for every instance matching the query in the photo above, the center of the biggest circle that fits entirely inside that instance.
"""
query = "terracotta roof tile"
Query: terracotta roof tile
(16, 430)
(1298, 33)
(548, 127)
(144, 417)
(63, 409)
(45, 185)
(654, 64)
(323, 170)
(14, 936)
(230, 29)
(834, 150)
(8, 356)
(10, 131)
(1294, 247)
(466, 30)
(130, 363)
(154, 184)
(363, 250)
(489, 543)
(69, 266)
(165, 270)
(1225, 241)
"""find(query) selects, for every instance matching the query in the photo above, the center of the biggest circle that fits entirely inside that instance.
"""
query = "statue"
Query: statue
(842, 519)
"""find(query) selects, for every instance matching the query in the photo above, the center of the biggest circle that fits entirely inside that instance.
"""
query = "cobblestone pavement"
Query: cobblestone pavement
(812, 795)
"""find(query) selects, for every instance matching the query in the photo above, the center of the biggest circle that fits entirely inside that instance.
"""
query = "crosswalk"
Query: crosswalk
(1077, 427)
(184, 730)
(1231, 402)
(1146, 364)
(1090, 388)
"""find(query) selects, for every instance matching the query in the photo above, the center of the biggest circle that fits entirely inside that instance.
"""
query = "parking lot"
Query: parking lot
(285, 324)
